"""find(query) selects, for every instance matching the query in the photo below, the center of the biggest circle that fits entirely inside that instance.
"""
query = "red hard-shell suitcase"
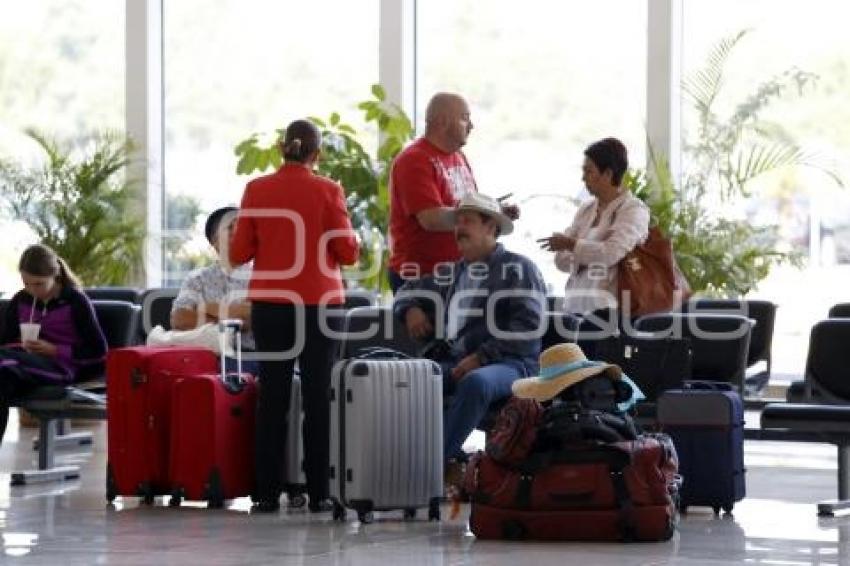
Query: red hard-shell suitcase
(140, 381)
(212, 435)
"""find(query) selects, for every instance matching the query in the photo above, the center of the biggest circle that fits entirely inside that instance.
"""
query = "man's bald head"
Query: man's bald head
(447, 121)
(443, 104)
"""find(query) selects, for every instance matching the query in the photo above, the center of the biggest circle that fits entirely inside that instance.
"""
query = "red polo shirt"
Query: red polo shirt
(285, 225)
(423, 176)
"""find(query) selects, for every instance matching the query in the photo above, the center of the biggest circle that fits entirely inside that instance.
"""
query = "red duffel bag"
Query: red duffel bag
(619, 491)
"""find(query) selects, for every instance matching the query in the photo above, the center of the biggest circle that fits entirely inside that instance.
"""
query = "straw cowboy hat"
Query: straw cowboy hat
(561, 366)
(486, 205)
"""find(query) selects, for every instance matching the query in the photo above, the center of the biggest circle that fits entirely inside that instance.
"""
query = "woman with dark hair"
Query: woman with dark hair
(50, 334)
(295, 226)
(603, 231)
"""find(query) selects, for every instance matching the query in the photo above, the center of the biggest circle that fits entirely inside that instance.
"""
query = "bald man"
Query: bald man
(427, 180)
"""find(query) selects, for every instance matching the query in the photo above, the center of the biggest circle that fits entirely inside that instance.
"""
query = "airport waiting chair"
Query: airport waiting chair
(840, 310)
(719, 342)
(128, 294)
(763, 313)
(51, 404)
(826, 378)
(156, 309)
(819, 410)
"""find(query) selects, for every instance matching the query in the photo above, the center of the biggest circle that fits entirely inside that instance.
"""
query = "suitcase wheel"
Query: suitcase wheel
(727, 508)
(365, 517)
(215, 504)
(434, 510)
(716, 509)
(145, 492)
(338, 512)
(409, 513)
(176, 498)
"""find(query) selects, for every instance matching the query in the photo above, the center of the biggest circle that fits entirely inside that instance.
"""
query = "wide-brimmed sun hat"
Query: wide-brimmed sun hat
(486, 205)
(561, 366)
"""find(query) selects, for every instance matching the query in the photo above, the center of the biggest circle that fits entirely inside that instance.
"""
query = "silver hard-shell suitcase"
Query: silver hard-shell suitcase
(386, 437)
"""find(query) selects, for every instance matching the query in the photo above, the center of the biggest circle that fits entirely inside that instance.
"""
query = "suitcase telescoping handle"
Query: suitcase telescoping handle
(225, 326)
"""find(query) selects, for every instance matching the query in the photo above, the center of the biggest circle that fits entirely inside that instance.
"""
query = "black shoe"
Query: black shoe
(320, 506)
(265, 507)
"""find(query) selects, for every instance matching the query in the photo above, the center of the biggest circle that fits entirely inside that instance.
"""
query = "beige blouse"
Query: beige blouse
(622, 224)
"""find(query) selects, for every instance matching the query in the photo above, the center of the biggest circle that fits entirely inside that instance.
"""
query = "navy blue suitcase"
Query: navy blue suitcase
(706, 422)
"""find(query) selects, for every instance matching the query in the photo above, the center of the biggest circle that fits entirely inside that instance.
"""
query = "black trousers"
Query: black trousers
(293, 332)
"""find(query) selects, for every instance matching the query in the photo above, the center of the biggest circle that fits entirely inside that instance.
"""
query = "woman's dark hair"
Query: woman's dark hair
(609, 154)
(302, 139)
(41, 261)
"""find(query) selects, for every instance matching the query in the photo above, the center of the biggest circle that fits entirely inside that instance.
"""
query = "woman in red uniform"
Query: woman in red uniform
(295, 226)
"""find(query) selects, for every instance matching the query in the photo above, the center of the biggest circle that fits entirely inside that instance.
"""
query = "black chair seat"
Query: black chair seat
(803, 417)
(43, 393)
(840, 310)
(128, 294)
(720, 342)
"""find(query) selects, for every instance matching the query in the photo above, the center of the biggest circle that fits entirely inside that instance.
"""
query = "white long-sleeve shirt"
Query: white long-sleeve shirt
(592, 265)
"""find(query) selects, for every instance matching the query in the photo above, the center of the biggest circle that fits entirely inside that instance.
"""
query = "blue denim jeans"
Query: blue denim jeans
(470, 399)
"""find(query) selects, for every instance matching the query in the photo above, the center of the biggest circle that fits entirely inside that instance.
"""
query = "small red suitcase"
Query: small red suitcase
(139, 382)
(212, 435)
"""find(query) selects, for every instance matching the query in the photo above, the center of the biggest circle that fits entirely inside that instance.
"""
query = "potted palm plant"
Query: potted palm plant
(80, 202)
(724, 154)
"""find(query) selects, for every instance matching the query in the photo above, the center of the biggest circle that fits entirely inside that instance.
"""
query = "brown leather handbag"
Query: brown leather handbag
(646, 278)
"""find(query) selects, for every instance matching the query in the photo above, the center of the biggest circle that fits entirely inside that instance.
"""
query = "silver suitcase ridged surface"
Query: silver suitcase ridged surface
(386, 436)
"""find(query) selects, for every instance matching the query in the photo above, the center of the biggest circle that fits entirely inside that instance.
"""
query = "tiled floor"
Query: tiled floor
(71, 524)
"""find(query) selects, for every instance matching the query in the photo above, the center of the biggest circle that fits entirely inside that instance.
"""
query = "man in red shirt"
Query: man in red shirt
(427, 180)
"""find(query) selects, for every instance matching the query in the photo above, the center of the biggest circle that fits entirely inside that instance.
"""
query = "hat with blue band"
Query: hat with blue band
(561, 366)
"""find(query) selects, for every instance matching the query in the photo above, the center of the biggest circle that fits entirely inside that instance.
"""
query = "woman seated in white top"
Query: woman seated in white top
(604, 230)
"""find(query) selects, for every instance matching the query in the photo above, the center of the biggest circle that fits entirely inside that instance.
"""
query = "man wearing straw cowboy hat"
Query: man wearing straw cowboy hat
(489, 314)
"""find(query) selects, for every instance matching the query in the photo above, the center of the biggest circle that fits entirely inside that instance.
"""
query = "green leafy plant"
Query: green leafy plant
(345, 159)
(725, 257)
(80, 203)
